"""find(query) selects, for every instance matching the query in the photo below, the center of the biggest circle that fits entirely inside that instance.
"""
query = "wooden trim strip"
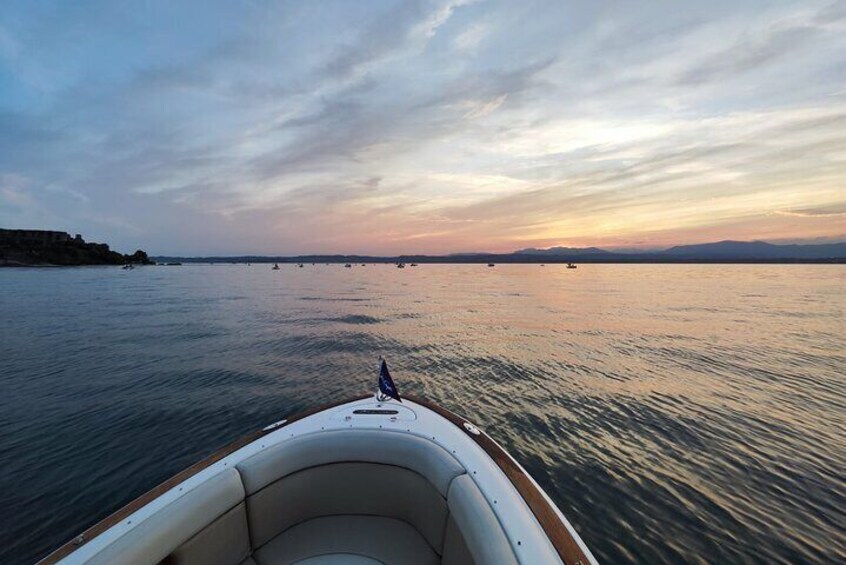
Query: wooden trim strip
(566, 546)
(159, 490)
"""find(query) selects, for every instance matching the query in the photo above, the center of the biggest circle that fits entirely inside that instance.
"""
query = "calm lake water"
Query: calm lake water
(675, 413)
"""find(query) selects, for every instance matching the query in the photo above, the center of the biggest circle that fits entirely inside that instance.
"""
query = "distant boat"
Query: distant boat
(491, 265)
(275, 267)
(173, 264)
(128, 267)
(571, 266)
(300, 265)
(414, 264)
(542, 265)
(348, 266)
(400, 265)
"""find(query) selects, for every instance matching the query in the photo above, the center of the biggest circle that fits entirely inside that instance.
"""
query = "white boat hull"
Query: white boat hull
(532, 528)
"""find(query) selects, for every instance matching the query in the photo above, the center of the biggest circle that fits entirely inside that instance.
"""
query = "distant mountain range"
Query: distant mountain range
(758, 250)
(731, 251)
(719, 252)
(734, 250)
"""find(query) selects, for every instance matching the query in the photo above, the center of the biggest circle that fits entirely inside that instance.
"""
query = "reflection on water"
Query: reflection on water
(675, 413)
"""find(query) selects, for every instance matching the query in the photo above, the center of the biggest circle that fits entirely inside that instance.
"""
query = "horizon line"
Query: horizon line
(624, 251)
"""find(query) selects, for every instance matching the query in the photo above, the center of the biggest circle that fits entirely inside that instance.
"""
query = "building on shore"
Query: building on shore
(36, 237)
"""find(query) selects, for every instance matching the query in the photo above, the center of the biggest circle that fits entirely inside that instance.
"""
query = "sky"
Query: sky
(387, 127)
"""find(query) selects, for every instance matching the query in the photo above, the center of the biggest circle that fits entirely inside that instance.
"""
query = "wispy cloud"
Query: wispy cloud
(430, 126)
(814, 212)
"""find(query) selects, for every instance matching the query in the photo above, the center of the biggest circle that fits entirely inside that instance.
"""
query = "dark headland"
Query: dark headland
(28, 248)
(719, 252)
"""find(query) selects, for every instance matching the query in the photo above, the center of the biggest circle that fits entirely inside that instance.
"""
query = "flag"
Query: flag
(386, 383)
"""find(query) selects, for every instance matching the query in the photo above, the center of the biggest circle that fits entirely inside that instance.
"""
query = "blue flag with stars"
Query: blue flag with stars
(386, 383)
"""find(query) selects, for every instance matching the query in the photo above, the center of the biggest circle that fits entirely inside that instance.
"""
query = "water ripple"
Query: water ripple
(675, 413)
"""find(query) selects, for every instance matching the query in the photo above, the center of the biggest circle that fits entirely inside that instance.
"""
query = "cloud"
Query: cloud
(472, 36)
(750, 53)
(813, 212)
(408, 25)
(423, 126)
(482, 110)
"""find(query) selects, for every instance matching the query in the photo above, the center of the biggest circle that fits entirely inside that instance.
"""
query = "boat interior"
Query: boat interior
(359, 497)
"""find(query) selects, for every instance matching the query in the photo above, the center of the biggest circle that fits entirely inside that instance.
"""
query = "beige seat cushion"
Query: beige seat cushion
(157, 536)
(225, 541)
(478, 524)
(424, 457)
(384, 540)
(455, 550)
(339, 559)
(348, 488)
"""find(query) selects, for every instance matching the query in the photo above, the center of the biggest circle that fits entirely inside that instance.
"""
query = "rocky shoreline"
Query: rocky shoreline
(42, 248)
